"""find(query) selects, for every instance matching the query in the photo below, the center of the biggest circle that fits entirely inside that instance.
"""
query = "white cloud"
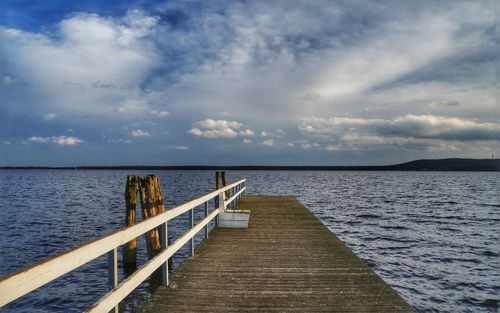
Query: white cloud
(439, 127)
(58, 140)
(37, 139)
(273, 134)
(332, 66)
(396, 50)
(89, 63)
(210, 128)
(6, 142)
(425, 132)
(247, 133)
(268, 142)
(67, 141)
(93, 49)
(134, 105)
(49, 116)
(408, 126)
(247, 141)
(181, 148)
(140, 133)
(266, 64)
(333, 148)
(279, 132)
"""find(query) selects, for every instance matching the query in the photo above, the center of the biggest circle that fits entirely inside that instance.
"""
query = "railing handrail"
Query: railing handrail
(20, 283)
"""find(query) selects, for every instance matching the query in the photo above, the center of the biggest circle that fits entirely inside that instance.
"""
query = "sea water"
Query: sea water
(432, 236)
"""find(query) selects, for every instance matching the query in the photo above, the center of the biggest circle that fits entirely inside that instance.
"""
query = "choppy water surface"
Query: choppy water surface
(433, 236)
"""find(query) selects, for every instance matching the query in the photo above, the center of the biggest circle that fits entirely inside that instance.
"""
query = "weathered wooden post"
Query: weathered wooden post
(224, 183)
(129, 251)
(152, 205)
(217, 179)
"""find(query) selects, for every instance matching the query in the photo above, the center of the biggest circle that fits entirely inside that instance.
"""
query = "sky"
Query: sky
(247, 82)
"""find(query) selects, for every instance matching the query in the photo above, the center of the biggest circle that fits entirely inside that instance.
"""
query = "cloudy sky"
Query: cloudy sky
(251, 82)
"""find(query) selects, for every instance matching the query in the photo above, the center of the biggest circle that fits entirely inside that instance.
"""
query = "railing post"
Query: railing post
(216, 200)
(234, 192)
(238, 190)
(192, 225)
(216, 207)
(231, 193)
(206, 214)
(113, 272)
(164, 245)
(221, 205)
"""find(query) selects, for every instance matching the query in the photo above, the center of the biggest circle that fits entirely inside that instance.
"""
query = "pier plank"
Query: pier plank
(286, 261)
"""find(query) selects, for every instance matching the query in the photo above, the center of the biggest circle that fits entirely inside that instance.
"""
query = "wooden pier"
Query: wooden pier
(282, 259)
(285, 261)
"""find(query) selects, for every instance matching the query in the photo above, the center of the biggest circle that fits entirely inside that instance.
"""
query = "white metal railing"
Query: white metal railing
(30, 278)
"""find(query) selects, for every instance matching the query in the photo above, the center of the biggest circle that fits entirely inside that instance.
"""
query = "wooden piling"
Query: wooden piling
(152, 204)
(224, 183)
(217, 179)
(129, 251)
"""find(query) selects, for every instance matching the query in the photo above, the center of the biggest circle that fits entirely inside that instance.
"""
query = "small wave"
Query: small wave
(406, 246)
(489, 253)
(411, 290)
(486, 303)
(437, 300)
(449, 229)
(395, 239)
(74, 204)
(495, 205)
(441, 203)
(368, 216)
(352, 222)
(394, 227)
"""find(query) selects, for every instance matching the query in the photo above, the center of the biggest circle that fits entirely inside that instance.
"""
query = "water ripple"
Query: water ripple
(432, 236)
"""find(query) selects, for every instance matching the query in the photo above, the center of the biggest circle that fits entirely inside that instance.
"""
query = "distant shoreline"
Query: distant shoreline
(452, 164)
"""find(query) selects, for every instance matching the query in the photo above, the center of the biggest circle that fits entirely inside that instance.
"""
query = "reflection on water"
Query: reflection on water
(431, 235)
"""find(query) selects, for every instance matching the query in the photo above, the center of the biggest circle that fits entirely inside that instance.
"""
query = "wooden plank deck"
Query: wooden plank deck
(286, 261)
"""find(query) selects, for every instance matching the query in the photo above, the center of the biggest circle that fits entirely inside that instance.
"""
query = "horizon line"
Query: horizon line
(442, 164)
